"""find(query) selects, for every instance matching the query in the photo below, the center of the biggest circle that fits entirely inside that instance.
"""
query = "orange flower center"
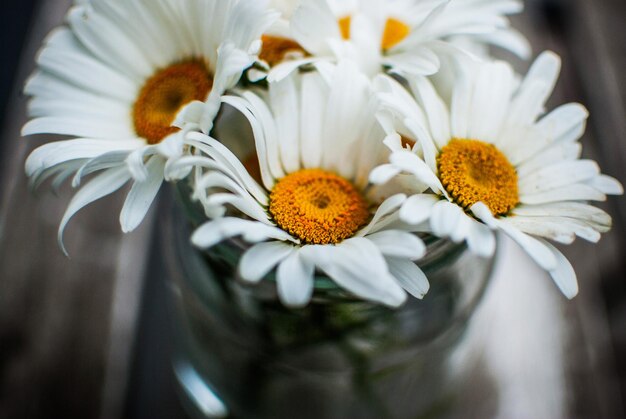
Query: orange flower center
(318, 207)
(165, 93)
(275, 48)
(344, 27)
(395, 31)
(474, 171)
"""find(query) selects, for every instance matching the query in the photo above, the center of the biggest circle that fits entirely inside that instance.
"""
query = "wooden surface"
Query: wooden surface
(66, 325)
(81, 337)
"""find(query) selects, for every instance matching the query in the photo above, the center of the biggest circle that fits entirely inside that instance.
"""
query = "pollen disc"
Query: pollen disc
(164, 94)
(474, 171)
(318, 207)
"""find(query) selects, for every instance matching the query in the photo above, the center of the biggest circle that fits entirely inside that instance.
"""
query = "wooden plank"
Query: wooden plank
(66, 325)
(572, 29)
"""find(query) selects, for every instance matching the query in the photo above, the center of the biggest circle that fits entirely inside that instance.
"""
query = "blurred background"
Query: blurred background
(88, 337)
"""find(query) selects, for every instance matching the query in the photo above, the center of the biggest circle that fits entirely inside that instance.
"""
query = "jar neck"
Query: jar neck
(439, 252)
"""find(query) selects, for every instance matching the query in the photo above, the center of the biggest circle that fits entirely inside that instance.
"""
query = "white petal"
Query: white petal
(51, 154)
(230, 164)
(215, 231)
(573, 192)
(312, 114)
(417, 208)
(265, 137)
(437, 111)
(560, 229)
(576, 210)
(416, 62)
(92, 127)
(461, 106)
(607, 185)
(46, 87)
(285, 68)
(444, 219)
(399, 244)
(480, 239)
(64, 170)
(564, 124)
(230, 65)
(535, 248)
(463, 228)
(557, 175)
(561, 121)
(243, 203)
(100, 186)
(383, 174)
(216, 180)
(410, 163)
(508, 39)
(136, 162)
(563, 275)
(285, 110)
(556, 153)
(544, 72)
(142, 195)
(343, 119)
(249, 20)
(76, 67)
(294, 278)
(493, 87)
(410, 276)
(101, 162)
(388, 207)
(542, 227)
(108, 42)
(358, 266)
(312, 23)
(259, 260)
(425, 142)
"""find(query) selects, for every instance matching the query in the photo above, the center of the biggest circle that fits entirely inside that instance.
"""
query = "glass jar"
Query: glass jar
(241, 354)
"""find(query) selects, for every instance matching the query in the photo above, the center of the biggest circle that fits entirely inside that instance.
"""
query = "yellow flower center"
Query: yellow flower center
(344, 27)
(165, 93)
(318, 207)
(474, 171)
(275, 48)
(395, 31)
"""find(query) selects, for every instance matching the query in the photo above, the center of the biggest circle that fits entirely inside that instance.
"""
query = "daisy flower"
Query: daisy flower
(403, 35)
(278, 44)
(494, 161)
(116, 78)
(317, 139)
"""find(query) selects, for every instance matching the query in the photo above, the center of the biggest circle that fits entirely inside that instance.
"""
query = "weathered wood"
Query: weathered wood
(66, 325)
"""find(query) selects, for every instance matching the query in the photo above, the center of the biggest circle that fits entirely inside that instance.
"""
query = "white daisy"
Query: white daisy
(494, 161)
(278, 44)
(404, 35)
(316, 142)
(116, 78)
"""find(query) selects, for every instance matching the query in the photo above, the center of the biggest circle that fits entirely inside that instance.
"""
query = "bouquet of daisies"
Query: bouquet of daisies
(330, 135)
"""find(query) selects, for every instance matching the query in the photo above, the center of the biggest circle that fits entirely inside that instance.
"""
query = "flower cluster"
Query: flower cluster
(373, 125)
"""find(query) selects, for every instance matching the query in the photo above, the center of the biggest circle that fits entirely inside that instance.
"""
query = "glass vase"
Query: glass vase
(241, 354)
